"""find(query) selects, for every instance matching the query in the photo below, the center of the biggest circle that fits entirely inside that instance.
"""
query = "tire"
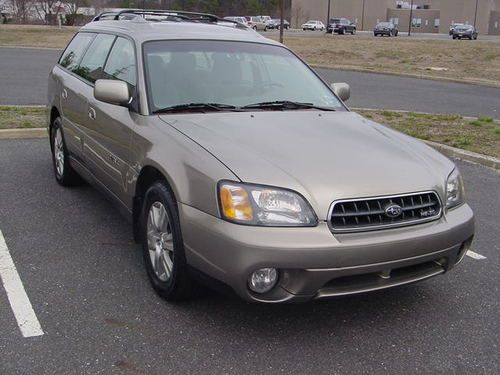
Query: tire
(303, 29)
(64, 173)
(396, 34)
(341, 31)
(161, 240)
(454, 37)
(353, 32)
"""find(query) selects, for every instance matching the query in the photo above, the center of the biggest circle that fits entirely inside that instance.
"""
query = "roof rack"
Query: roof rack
(169, 15)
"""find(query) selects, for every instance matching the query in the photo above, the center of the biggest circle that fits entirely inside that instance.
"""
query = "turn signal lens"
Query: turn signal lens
(235, 203)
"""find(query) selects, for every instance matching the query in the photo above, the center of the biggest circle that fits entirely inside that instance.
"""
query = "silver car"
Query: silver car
(238, 166)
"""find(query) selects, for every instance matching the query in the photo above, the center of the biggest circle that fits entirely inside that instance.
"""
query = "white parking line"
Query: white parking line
(474, 255)
(19, 301)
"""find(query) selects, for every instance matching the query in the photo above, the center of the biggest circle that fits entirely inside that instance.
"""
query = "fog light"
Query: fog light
(263, 280)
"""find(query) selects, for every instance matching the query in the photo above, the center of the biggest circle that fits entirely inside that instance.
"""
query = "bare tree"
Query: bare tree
(297, 13)
(48, 10)
(21, 9)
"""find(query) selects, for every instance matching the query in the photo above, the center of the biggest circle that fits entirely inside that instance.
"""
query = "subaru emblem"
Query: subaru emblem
(393, 210)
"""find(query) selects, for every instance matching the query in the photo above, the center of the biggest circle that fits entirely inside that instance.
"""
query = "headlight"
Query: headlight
(454, 190)
(264, 206)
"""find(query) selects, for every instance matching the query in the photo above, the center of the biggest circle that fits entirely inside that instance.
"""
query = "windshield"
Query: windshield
(384, 24)
(231, 73)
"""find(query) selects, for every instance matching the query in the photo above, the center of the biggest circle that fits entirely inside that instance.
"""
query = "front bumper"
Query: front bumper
(314, 263)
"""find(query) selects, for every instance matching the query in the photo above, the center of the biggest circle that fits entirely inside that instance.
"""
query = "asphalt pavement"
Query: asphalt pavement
(87, 285)
(24, 73)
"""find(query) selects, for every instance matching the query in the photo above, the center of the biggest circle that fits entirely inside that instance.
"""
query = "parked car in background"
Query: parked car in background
(258, 23)
(465, 31)
(313, 25)
(385, 28)
(241, 20)
(453, 26)
(341, 26)
(276, 23)
(267, 19)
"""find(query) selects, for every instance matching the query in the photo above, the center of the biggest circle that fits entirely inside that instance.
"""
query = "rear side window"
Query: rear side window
(91, 67)
(121, 62)
(75, 50)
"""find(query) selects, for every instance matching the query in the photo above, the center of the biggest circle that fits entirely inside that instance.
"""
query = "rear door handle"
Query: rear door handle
(64, 94)
(92, 114)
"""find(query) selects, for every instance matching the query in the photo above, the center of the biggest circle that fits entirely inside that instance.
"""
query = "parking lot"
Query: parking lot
(88, 289)
(369, 34)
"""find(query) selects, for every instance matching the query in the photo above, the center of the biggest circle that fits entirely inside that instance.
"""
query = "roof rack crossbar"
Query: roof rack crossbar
(174, 14)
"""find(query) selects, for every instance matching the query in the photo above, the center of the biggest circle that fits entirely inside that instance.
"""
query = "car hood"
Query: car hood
(325, 156)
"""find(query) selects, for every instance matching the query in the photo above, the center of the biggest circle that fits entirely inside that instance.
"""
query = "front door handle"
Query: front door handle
(92, 114)
(64, 94)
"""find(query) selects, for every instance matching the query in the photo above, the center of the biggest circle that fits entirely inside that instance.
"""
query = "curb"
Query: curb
(409, 75)
(469, 156)
(23, 133)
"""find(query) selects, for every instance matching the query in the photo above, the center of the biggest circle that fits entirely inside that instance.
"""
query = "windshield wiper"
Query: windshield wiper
(197, 106)
(286, 104)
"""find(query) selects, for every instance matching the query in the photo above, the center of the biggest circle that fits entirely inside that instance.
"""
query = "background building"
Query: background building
(431, 16)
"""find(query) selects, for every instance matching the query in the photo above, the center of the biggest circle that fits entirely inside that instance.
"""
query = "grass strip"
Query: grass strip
(481, 135)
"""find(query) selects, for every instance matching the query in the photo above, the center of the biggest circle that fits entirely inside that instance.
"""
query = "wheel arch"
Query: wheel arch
(54, 113)
(148, 175)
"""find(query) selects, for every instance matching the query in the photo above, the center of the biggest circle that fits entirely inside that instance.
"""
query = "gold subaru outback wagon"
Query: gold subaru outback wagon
(237, 165)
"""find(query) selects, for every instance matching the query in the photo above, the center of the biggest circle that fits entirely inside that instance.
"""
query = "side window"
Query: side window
(121, 62)
(91, 67)
(75, 50)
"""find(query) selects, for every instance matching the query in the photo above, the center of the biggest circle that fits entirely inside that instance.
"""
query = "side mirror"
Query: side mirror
(112, 91)
(342, 90)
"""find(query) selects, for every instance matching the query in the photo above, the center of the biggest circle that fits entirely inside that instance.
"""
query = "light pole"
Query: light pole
(363, 16)
(475, 14)
(282, 16)
(328, 14)
(411, 18)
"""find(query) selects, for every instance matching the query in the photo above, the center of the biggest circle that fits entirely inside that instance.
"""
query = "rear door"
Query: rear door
(73, 93)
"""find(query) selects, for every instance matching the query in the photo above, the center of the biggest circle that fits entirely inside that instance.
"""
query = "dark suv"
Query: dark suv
(341, 26)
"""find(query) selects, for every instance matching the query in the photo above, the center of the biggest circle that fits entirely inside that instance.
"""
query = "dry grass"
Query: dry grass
(481, 135)
(22, 117)
(35, 36)
(467, 61)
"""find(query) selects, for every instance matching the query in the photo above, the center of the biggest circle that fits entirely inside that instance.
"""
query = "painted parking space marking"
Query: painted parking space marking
(19, 301)
(474, 255)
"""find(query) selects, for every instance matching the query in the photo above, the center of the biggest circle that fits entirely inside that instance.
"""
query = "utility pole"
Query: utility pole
(411, 18)
(282, 17)
(475, 14)
(363, 16)
(328, 14)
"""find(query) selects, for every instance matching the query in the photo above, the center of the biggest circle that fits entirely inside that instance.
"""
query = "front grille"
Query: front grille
(365, 214)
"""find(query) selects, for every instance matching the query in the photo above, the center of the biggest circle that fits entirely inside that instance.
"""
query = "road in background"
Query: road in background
(25, 72)
(86, 281)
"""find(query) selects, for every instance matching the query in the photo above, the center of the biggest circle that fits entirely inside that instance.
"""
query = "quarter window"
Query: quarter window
(91, 67)
(121, 62)
(75, 50)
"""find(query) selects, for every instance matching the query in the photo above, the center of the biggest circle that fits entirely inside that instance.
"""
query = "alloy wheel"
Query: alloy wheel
(59, 152)
(160, 241)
